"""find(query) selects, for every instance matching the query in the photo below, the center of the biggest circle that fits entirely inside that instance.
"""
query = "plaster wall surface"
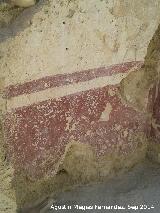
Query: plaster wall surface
(63, 85)
(70, 36)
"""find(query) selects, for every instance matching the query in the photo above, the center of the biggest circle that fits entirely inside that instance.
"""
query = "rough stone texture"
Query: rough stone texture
(137, 191)
(23, 3)
(8, 13)
(7, 193)
(145, 84)
(137, 87)
(71, 78)
(153, 65)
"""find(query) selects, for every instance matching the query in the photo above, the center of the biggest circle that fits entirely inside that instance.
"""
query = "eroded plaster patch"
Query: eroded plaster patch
(106, 113)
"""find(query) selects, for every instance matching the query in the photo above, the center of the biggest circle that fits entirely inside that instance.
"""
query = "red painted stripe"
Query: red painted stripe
(66, 79)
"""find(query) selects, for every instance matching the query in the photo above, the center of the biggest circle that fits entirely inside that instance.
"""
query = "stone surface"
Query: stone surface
(8, 14)
(138, 190)
(142, 90)
(23, 3)
(75, 84)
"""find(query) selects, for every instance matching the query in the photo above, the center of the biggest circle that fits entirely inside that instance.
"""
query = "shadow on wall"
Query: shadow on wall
(15, 19)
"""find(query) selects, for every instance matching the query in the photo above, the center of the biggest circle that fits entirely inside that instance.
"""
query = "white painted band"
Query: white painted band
(57, 92)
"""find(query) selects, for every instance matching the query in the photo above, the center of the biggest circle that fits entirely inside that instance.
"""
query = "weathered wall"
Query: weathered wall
(142, 90)
(8, 13)
(70, 88)
(85, 34)
(7, 193)
(152, 63)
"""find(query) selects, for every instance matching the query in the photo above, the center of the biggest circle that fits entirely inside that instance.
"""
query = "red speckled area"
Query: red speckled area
(41, 131)
(37, 134)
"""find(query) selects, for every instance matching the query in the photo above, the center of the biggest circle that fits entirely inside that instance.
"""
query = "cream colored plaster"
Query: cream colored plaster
(106, 113)
(96, 33)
